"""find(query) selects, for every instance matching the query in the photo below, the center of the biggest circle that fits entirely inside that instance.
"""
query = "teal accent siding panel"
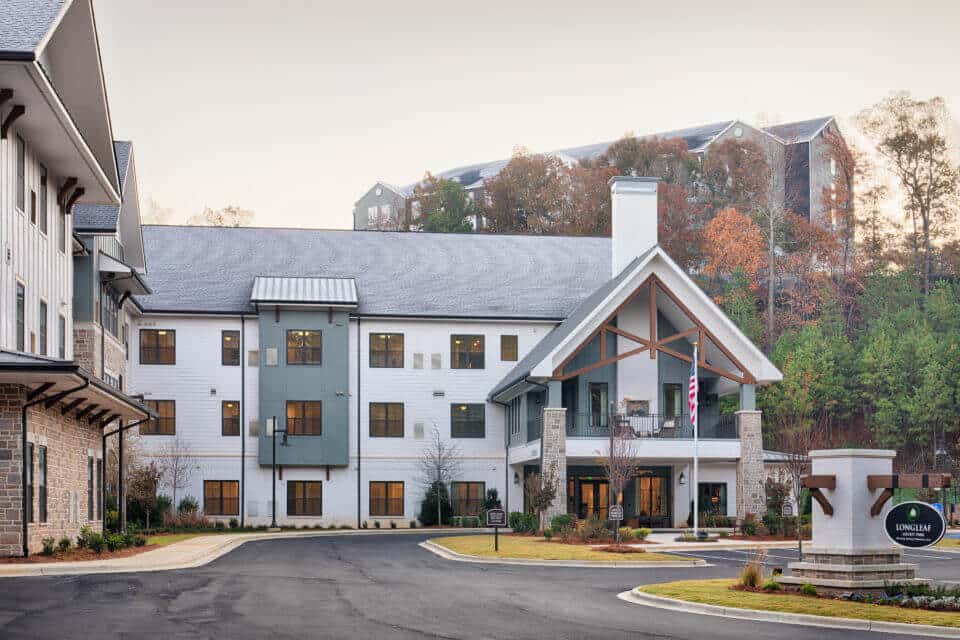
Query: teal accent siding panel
(327, 382)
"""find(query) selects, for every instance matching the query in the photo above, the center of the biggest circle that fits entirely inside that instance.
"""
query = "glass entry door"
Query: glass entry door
(594, 499)
(652, 501)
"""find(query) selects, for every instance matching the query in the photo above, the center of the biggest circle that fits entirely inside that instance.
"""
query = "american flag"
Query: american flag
(694, 387)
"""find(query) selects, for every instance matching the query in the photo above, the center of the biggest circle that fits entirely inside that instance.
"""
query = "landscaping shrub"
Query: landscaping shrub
(428, 506)
(773, 522)
(594, 529)
(522, 522)
(363, 525)
(128, 539)
(413, 524)
(642, 533)
(188, 504)
(562, 521)
(234, 523)
(393, 524)
(712, 521)
(86, 534)
(48, 546)
(114, 542)
(548, 533)
(808, 589)
(749, 525)
(96, 542)
(626, 534)
(456, 521)
(139, 541)
(64, 545)
(113, 520)
(188, 520)
(771, 585)
(376, 524)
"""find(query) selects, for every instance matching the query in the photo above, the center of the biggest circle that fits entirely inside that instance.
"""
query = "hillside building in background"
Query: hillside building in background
(798, 154)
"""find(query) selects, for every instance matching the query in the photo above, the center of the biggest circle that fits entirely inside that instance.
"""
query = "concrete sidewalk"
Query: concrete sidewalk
(667, 541)
(193, 552)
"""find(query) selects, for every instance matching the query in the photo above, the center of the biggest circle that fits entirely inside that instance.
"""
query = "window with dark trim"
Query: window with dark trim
(386, 419)
(43, 328)
(166, 422)
(673, 400)
(221, 497)
(230, 348)
(386, 350)
(304, 346)
(508, 348)
(304, 498)
(21, 174)
(99, 488)
(29, 482)
(33, 207)
(42, 204)
(110, 314)
(386, 499)
(158, 346)
(90, 488)
(467, 497)
(42, 482)
(713, 498)
(21, 317)
(62, 229)
(466, 352)
(62, 344)
(467, 420)
(304, 417)
(230, 418)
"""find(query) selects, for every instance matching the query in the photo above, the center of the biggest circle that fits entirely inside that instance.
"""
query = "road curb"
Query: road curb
(851, 624)
(447, 554)
(226, 544)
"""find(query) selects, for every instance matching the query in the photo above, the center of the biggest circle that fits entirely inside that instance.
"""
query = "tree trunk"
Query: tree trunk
(770, 276)
(799, 534)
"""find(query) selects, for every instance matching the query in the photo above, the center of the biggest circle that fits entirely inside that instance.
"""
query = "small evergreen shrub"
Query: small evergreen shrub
(771, 585)
(808, 589)
(642, 533)
(428, 506)
(548, 533)
(139, 541)
(64, 545)
(562, 521)
(363, 525)
(234, 523)
(749, 525)
(376, 524)
(522, 522)
(96, 542)
(626, 534)
(393, 524)
(86, 534)
(114, 542)
(773, 522)
(413, 524)
(188, 504)
(49, 544)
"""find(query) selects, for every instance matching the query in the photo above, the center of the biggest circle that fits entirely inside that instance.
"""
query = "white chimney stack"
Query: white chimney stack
(633, 218)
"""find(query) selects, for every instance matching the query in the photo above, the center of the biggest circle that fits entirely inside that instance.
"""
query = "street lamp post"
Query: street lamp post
(272, 431)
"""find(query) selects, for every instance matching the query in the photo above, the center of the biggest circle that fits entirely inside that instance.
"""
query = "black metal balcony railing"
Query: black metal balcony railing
(586, 425)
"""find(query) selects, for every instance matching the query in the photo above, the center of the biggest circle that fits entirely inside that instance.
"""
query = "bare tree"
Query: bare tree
(438, 465)
(795, 440)
(229, 216)
(541, 492)
(176, 465)
(619, 464)
(143, 488)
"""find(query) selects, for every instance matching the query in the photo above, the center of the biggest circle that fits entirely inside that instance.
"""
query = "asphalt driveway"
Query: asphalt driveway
(374, 587)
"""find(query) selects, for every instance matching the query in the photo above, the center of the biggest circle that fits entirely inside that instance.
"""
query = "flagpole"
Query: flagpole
(696, 447)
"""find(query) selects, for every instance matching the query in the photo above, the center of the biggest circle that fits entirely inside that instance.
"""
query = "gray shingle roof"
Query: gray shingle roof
(23, 23)
(212, 269)
(561, 331)
(339, 291)
(696, 138)
(802, 131)
(99, 217)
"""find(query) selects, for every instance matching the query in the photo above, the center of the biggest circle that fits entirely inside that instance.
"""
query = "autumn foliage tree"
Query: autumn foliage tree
(732, 241)
(736, 175)
(526, 196)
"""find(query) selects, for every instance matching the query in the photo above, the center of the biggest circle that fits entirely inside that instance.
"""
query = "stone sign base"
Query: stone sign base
(833, 570)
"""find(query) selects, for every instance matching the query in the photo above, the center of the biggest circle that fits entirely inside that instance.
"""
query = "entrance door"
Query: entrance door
(652, 505)
(594, 499)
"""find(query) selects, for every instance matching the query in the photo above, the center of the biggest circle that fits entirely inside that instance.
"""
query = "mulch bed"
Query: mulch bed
(764, 538)
(80, 555)
(612, 548)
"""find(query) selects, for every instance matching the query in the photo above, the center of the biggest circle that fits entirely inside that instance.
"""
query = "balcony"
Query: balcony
(586, 425)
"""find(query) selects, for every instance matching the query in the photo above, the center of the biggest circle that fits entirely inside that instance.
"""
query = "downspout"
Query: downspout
(243, 408)
(23, 454)
(359, 484)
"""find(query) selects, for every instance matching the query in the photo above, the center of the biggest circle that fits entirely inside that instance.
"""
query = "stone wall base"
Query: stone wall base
(850, 571)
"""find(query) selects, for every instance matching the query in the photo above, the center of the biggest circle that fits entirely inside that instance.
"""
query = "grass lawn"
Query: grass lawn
(163, 539)
(530, 548)
(718, 592)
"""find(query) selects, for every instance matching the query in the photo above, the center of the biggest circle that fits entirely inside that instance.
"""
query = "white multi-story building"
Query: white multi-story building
(521, 351)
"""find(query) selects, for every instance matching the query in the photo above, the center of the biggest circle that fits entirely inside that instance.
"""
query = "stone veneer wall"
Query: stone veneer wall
(751, 474)
(86, 350)
(69, 444)
(553, 462)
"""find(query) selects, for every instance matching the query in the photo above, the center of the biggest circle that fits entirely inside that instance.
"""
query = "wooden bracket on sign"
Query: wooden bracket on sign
(903, 481)
(816, 484)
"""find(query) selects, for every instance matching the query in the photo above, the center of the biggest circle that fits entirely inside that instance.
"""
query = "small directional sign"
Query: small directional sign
(616, 512)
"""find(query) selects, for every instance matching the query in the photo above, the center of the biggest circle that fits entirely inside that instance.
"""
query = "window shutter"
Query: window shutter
(435, 362)
(418, 361)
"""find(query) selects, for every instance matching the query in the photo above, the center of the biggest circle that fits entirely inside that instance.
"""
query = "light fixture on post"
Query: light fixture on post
(516, 478)
(272, 430)
(682, 480)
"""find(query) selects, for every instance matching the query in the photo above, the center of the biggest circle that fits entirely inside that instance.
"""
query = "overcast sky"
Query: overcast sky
(293, 109)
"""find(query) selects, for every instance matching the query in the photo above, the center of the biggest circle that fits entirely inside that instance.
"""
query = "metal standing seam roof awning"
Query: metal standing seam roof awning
(121, 276)
(93, 400)
(307, 291)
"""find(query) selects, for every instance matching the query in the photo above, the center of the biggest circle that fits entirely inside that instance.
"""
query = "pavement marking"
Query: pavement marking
(920, 555)
(718, 557)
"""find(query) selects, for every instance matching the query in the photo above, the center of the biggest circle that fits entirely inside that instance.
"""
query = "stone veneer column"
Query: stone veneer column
(751, 495)
(553, 458)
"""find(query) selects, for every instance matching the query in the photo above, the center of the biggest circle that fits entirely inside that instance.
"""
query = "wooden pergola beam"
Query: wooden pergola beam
(909, 481)
(819, 482)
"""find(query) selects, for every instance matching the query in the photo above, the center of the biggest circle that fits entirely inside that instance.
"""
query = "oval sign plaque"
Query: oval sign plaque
(914, 525)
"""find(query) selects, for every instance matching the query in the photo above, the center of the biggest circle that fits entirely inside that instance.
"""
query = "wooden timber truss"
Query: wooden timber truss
(653, 344)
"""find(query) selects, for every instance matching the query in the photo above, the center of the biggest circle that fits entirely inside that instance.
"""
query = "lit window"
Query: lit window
(466, 352)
